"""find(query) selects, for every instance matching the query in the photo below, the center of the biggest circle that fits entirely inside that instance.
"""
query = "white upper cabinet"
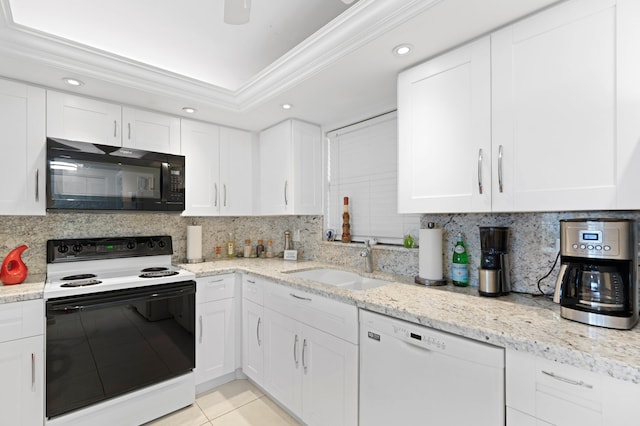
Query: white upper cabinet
(150, 131)
(219, 170)
(237, 167)
(201, 148)
(556, 109)
(22, 126)
(444, 133)
(83, 119)
(89, 120)
(291, 169)
(563, 92)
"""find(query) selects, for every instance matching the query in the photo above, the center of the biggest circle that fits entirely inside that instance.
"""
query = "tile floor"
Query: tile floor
(237, 403)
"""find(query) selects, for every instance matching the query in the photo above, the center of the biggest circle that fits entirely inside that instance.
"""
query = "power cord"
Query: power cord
(555, 262)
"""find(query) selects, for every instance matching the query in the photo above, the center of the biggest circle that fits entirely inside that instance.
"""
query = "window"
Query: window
(363, 166)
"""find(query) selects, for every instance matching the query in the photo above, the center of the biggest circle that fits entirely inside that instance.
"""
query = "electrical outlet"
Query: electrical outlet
(296, 236)
(557, 245)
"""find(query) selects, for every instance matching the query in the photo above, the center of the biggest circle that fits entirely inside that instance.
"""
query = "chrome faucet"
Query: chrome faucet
(367, 253)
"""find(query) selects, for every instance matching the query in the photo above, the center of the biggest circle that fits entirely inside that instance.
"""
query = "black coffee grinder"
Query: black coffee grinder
(495, 277)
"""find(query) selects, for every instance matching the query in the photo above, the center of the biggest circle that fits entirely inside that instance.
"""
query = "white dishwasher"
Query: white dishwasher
(414, 375)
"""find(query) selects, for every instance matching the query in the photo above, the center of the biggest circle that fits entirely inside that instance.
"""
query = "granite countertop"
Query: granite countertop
(521, 322)
(31, 289)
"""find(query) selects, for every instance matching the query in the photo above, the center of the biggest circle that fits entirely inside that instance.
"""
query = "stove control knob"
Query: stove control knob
(77, 248)
(131, 245)
(162, 244)
(151, 244)
(63, 248)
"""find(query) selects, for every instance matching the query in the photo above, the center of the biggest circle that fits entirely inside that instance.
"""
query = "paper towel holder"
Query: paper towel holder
(428, 282)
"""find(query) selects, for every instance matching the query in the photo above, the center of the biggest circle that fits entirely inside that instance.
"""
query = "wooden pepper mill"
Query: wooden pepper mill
(346, 227)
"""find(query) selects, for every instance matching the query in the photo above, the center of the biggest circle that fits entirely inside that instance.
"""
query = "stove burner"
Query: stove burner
(155, 269)
(77, 277)
(157, 274)
(82, 283)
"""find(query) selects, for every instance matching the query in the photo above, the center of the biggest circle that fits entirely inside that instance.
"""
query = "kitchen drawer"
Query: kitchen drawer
(253, 289)
(552, 392)
(21, 319)
(330, 316)
(216, 287)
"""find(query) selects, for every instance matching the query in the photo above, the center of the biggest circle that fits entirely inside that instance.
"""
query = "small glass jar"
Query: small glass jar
(247, 248)
(269, 248)
(260, 249)
(218, 251)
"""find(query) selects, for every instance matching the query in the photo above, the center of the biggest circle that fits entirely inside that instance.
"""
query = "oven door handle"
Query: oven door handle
(96, 300)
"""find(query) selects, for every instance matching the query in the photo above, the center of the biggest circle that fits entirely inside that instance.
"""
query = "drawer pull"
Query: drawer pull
(295, 350)
(300, 297)
(251, 282)
(200, 337)
(566, 380)
(216, 281)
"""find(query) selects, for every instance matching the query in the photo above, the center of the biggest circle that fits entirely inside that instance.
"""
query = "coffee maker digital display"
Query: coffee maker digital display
(597, 283)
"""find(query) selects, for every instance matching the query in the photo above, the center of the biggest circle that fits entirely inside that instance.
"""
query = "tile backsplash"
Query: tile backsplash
(532, 243)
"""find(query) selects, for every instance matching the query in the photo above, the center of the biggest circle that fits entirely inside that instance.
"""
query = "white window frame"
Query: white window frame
(403, 224)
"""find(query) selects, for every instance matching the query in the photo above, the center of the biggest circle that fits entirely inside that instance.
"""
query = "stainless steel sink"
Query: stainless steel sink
(339, 278)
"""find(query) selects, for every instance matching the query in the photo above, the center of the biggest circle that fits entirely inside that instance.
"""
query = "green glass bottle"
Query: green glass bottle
(460, 265)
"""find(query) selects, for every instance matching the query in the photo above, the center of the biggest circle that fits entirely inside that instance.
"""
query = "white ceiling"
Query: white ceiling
(147, 54)
(191, 40)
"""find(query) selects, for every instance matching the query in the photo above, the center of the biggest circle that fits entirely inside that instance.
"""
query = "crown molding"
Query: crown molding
(360, 24)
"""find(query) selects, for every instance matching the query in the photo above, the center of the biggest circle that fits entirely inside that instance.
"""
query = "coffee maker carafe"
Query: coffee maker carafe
(495, 276)
(597, 283)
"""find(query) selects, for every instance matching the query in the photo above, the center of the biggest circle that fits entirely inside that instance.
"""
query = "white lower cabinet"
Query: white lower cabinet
(312, 372)
(252, 329)
(215, 327)
(541, 392)
(22, 363)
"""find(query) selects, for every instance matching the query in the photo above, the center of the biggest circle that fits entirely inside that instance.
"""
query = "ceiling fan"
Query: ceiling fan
(237, 12)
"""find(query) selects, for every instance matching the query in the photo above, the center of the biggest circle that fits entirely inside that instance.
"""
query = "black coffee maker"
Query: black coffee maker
(598, 283)
(495, 277)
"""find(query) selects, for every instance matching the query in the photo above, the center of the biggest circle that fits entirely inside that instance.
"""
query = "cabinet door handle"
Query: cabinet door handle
(300, 297)
(480, 171)
(304, 351)
(500, 168)
(200, 322)
(115, 128)
(567, 380)
(215, 199)
(37, 185)
(252, 282)
(295, 350)
(33, 370)
(129, 131)
(258, 332)
(224, 191)
(286, 201)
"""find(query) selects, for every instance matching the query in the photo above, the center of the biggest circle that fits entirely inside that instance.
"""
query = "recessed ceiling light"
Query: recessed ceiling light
(72, 81)
(402, 50)
(287, 106)
(189, 110)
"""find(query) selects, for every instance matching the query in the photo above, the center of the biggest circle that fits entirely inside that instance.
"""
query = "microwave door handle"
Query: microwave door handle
(166, 182)
(557, 294)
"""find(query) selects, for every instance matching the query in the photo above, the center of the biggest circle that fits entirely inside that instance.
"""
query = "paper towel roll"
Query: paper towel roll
(194, 244)
(430, 254)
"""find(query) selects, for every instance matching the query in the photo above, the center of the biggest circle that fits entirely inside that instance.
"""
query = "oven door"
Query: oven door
(104, 345)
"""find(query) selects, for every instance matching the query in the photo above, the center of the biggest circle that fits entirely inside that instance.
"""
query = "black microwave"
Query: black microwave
(88, 176)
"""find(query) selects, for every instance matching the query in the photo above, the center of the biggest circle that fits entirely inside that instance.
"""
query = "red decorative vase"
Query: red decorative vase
(13, 270)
